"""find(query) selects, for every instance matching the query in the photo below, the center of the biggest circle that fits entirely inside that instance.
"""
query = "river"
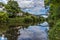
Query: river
(32, 32)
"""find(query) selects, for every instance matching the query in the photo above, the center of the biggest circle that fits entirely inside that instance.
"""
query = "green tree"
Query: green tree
(54, 18)
(3, 17)
(12, 8)
(28, 20)
(1, 4)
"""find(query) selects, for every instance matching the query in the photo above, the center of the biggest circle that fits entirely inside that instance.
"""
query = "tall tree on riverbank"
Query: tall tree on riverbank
(12, 8)
(3, 17)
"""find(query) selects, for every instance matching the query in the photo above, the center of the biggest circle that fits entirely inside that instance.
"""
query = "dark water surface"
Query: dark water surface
(31, 32)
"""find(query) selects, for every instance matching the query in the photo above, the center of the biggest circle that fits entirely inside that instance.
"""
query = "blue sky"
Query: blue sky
(32, 6)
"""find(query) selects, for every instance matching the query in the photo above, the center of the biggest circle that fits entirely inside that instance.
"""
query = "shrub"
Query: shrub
(27, 20)
(3, 17)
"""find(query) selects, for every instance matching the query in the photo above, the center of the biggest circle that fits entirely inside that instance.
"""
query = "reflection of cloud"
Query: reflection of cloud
(33, 33)
(45, 16)
(44, 24)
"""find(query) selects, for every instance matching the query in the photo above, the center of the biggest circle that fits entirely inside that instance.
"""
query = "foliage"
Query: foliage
(27, 14)
(12, 8)
(54, 33)
(28, 20)
(1, 4)
(34, 18)
(54, 18)
(3, 17)
(16, 20)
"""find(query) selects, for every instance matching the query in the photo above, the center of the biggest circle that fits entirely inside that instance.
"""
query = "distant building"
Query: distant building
(2, 8)
(19, 14)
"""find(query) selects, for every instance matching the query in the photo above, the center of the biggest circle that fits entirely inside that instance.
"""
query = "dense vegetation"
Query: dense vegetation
(3, 17)
(12, 8)
(54, 19)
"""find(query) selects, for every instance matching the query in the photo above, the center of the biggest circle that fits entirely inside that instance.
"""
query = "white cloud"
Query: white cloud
(30, 3)
(32, 6)
(45, 16)
(4, 1)
(25, 3)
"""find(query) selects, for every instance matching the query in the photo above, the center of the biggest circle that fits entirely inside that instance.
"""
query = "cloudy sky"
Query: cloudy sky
(4, 1)
(32, 6)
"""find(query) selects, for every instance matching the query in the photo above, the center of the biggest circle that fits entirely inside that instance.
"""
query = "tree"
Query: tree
(12, 8)
(1, 4)
(54, 33)
(28, 20)
(3, 17)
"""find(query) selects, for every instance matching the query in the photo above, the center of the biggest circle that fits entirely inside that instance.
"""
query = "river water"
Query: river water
(36, 32)
(32, 32)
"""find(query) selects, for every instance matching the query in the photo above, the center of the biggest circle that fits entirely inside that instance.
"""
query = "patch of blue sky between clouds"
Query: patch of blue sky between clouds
(36, 11)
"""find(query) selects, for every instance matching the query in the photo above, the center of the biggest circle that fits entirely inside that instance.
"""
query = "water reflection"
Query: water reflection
(12, 34)
(26, 32)
(34, 32)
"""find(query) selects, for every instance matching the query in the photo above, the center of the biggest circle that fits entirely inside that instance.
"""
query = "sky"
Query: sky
(32, 6)
(3, 1)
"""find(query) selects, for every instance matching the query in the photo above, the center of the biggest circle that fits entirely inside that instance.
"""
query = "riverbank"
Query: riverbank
(54, 19)
(21, 20)
(25, 19)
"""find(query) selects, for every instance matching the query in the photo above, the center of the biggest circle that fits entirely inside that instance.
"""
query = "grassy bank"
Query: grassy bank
(25, 19)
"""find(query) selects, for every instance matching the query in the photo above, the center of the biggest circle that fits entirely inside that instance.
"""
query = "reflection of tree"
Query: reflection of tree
(12, 33)
(3, 27)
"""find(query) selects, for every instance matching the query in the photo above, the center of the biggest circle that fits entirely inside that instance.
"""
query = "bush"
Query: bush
(12, 8)
(35, 19)
(16, 20)
(54, 33)
(3, 17)
(28, 20)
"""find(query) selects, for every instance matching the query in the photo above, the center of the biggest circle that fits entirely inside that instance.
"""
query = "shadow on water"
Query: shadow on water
(24, 32)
